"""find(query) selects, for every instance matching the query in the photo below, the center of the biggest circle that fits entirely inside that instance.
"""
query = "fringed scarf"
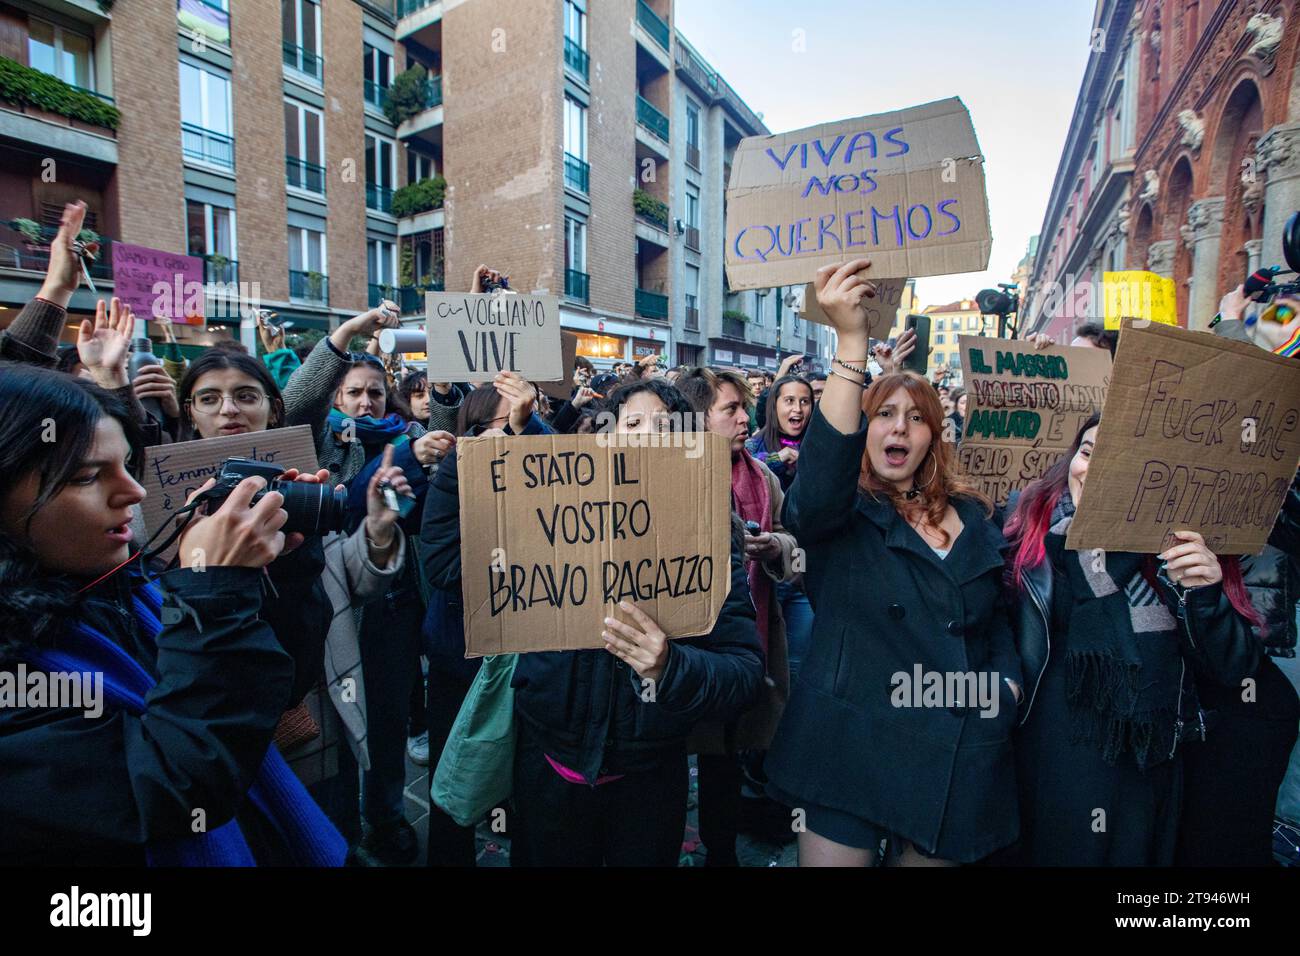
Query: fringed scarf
(753, 500)
(1123, 667)
(276, 793)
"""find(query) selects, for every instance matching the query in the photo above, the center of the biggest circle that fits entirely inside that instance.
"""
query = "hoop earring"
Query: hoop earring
(935, 474)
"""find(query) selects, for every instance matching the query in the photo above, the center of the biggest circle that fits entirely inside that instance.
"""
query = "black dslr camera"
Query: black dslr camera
(1260, 285)
(313, 509)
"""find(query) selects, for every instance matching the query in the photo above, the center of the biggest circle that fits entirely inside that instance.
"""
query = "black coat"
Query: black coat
(586, 706)
(82, 791)
(1273, 578)
(941, 777)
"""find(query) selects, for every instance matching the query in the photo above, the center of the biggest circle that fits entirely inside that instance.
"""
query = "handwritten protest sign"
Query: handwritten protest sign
(569, 349)
(904, 189)
(473, 337)
(1199, 433)
(1139, 295)
(881, 309)
(1024, 407)
(566, 526)
(157, 284)
(174, 472)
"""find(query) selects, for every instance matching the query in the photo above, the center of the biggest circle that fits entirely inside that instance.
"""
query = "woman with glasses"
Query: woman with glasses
(315, 588)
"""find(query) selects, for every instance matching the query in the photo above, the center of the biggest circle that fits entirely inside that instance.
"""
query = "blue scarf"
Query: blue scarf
(310, 837)
(370, 431)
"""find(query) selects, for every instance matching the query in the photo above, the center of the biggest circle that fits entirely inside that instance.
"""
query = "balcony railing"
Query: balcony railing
(304, 175)
(651, 118)
(733, 328)
(576, 284)
(652, 24)
(309, 286)
(409, 298)
(375, 94)
(577, 173)
(432, 92)
(304, 61)
(207, 146)
(225, 271)
(652, 305)
(576, 58)
(379, 197)
(692, 313)
(17, 251)
(406, 7)
(693, 238)
(693, 155)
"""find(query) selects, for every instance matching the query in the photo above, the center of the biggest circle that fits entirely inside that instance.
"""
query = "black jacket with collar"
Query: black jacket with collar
(886, 605)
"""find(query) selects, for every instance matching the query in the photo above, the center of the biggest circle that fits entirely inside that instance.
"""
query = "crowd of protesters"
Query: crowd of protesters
(261, 706)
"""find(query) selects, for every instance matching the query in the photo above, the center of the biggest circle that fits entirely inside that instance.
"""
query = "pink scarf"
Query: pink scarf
(750, 492)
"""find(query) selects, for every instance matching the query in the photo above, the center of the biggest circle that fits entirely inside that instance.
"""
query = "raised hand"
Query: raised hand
(1191, 564)
(152, 381)
(103, 345)
(380, 519)
(840, 291)
(432, 447)
(64, 272)
(236, 535)
(521, 395)
(383, 316)
(483, 277)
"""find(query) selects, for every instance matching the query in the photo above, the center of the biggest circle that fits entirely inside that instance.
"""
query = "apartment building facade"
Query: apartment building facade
(583, 147)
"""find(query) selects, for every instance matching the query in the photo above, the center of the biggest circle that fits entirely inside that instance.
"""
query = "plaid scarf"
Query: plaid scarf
(1123, 666)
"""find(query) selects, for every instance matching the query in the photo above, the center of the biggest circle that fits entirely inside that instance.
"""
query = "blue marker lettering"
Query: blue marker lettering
(943, 211)
(757, 255)
(782, 163)
(823, 230)
(898, 225)
(850, 225)
(929, 221)
(824, 189)
(869, 141)
(826, 158)
(889, 138)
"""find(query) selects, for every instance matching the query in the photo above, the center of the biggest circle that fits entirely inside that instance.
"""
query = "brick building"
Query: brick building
(1183, 156)
(581, 147)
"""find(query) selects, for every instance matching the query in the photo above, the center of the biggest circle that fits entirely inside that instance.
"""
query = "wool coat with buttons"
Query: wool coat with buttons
(852, 739)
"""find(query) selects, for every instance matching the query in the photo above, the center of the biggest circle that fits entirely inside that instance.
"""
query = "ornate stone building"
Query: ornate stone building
(1216, 168)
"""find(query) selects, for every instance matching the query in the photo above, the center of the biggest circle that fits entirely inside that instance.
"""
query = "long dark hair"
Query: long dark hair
(1027, 528)
(216, 360)
(771, 431)
(36, 402)
(478, 408)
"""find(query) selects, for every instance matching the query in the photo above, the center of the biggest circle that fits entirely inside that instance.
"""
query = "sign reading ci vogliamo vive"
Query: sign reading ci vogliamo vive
(1024, 407)
(472, 337)
(903, 189)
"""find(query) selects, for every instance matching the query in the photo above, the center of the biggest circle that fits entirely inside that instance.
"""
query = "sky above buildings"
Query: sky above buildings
(1016, 64)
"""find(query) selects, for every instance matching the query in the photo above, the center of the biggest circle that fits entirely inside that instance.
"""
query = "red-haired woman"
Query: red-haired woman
(898, 728)
(1110, 644)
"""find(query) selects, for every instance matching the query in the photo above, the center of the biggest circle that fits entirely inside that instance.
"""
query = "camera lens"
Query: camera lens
(312, 509)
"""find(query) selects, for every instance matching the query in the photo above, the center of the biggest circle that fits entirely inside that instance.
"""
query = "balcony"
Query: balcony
(576, 58)
(36, 107)
(733, 328)
(379, 198)
(207, 146)
(420, 21)
(650, 118)
(303, 61)
(420, 115)
(576, 285)
(653, 25)
(692, 313)
(693, 238)
(577, 174)
(309, 287)
(407, 7)
(301, 174)
(218, 269)
(375, 94)
(693, 156)
(409, 298)
(651, 305)
(22, 252)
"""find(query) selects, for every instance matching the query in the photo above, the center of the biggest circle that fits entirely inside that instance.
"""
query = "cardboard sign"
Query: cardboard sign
(157, 284)
(881, 309)
(473, 337)
(566, 526)
(174, 472)
(1023, 408)
(569, 349)
(1199, 433)
(1139, 295)
(904, 189)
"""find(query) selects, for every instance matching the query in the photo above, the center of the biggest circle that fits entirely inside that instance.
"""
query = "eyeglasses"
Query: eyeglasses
(211, 401)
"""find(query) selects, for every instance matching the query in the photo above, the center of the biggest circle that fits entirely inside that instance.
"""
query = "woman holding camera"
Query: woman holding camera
(314, 589)
(191, 682)
(904, 571)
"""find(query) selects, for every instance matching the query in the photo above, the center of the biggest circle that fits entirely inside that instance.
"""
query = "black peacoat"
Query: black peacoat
(940, 775)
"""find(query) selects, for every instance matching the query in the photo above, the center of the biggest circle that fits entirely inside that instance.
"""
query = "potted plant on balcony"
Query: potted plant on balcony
(315, 284)
(406, 96)
(219, 263)
(650, 208)
(736, 315)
